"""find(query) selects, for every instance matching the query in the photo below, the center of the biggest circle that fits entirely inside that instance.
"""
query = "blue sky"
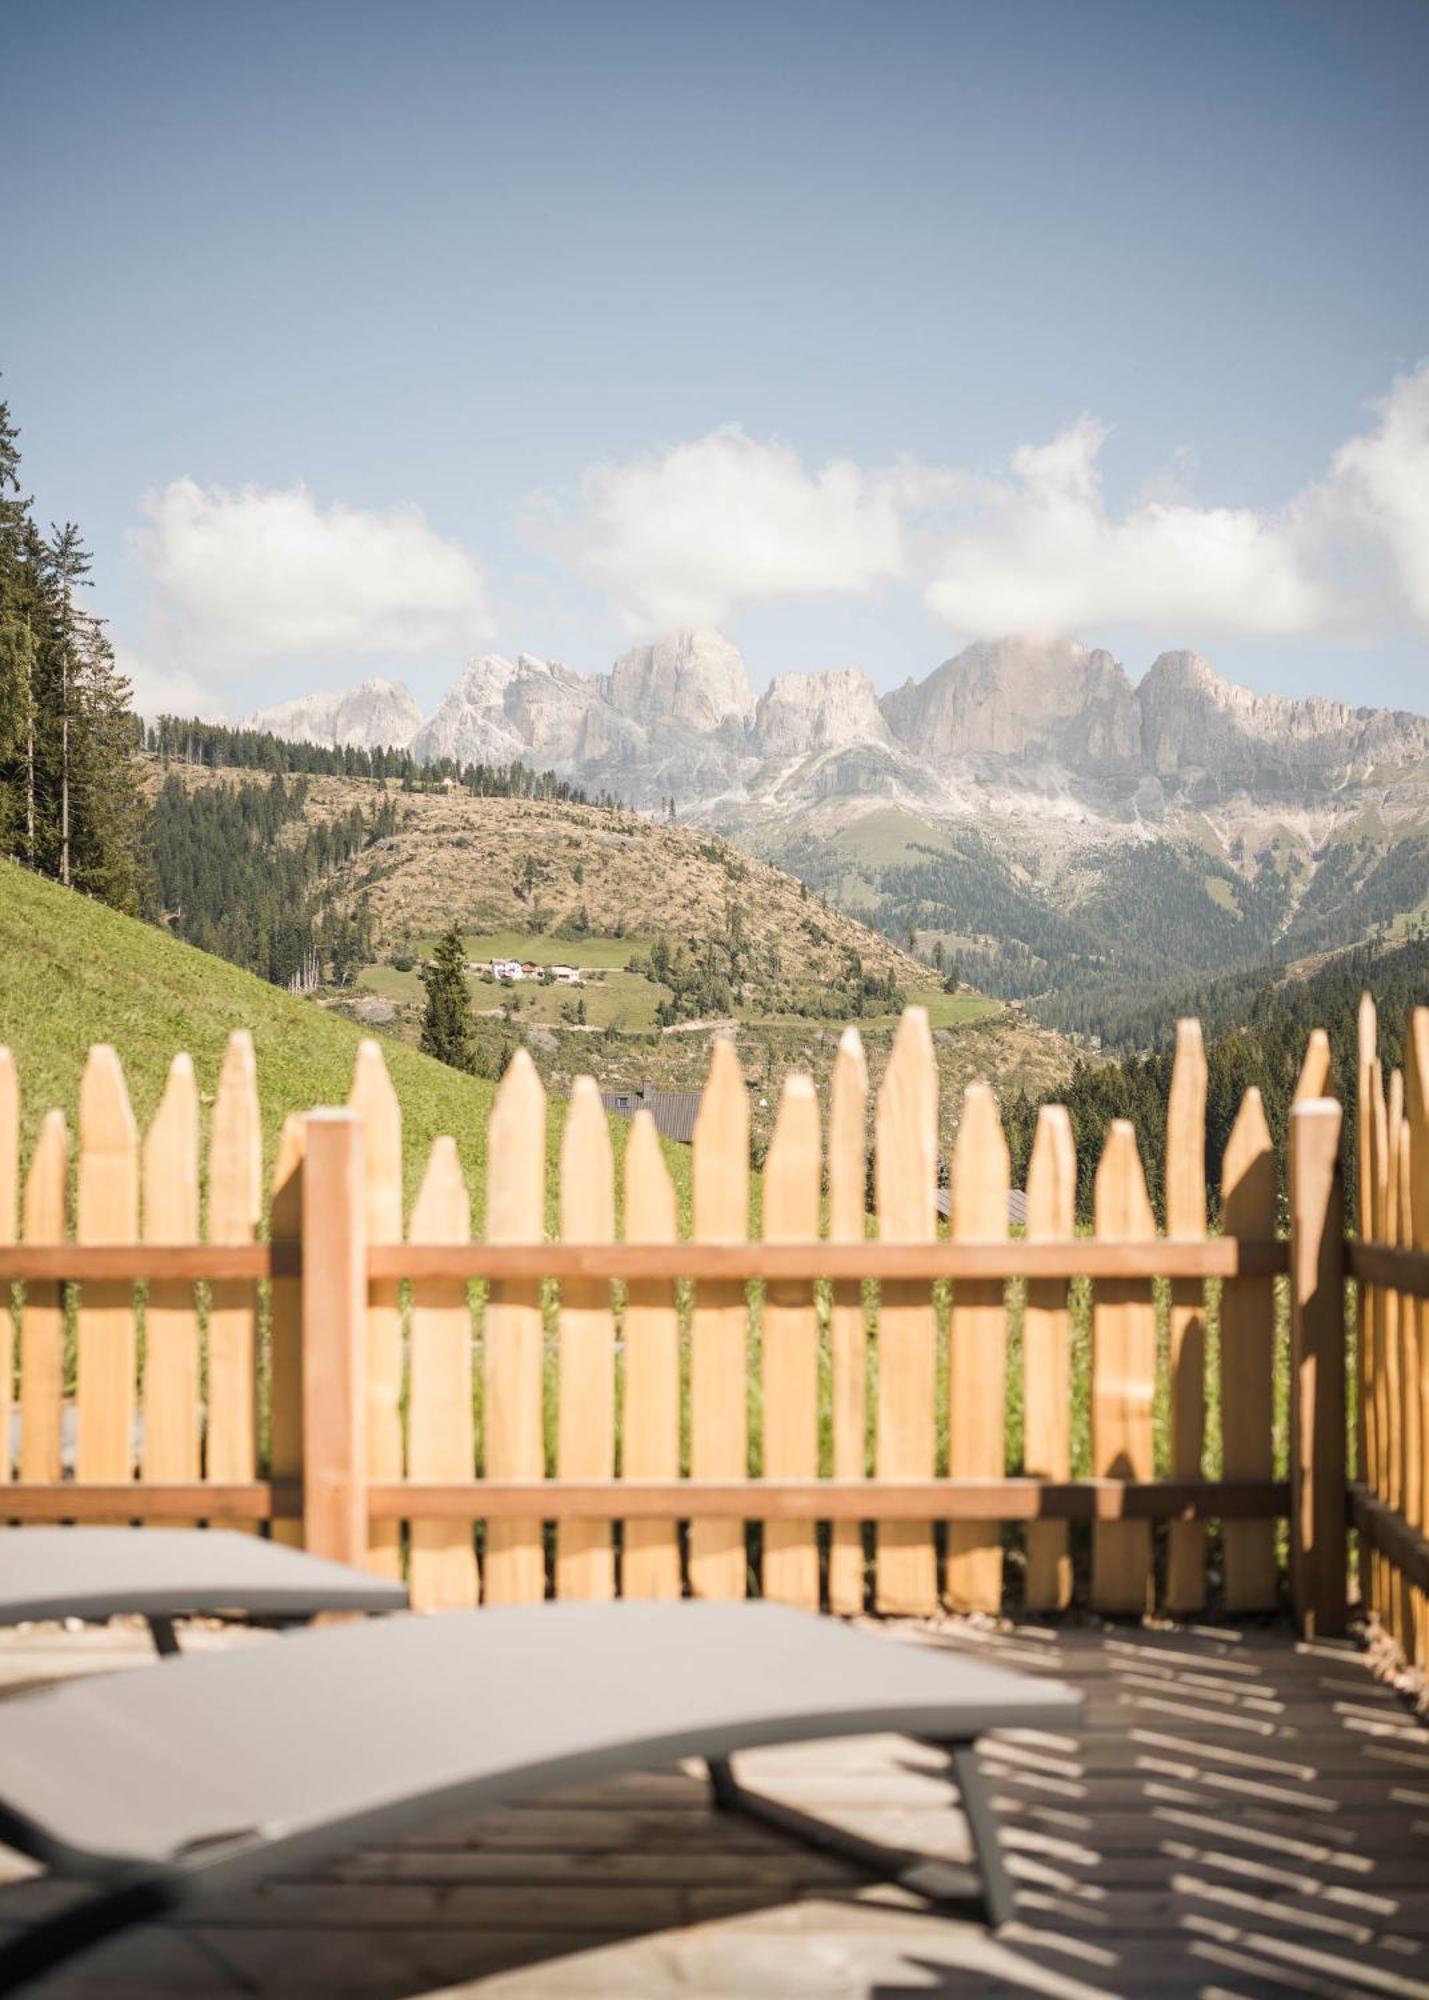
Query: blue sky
(859, 330)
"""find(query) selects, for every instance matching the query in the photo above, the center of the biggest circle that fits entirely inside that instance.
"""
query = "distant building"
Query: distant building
(529, 969)
(674, 1111)
(1016, 1206)
(565, 975)
(506, 968)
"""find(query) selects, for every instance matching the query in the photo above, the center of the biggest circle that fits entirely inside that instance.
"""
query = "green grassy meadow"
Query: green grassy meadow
(73, 972)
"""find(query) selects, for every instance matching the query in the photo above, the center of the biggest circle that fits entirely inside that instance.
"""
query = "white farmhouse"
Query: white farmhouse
(566, 975)
(506, 968)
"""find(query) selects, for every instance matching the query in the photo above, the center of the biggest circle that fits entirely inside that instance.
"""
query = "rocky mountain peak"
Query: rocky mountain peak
(1026, 699)
(1195, 724)
(376, 715)
(503, 711)
(692, 680)
(802, 713)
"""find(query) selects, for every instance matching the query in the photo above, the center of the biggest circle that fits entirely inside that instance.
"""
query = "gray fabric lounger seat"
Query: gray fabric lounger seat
(167, 1783)
(166, 1573)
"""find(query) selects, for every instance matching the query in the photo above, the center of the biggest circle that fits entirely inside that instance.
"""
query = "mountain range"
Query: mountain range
(1054, 725)
(1021, 807)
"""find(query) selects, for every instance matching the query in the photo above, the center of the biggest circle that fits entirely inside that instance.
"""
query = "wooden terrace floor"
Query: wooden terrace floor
(1243, 1816)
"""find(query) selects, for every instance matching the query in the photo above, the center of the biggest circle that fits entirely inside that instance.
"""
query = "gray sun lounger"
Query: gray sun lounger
(166, 1573)
(164, 1785)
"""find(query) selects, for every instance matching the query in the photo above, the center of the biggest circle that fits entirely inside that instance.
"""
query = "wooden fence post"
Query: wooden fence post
(1318, 1468)
(1186, 1217)
(285, 1322)
(334, 1338)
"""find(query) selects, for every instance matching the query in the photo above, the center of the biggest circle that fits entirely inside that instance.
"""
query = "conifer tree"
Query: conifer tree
(69, 800)
(447, 1023)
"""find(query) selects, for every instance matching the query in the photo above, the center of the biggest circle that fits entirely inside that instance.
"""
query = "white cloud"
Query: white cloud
(265, 573)
(163, 691)
(1039, 552)
(687, 535)
(1382, 480)
(693, 532)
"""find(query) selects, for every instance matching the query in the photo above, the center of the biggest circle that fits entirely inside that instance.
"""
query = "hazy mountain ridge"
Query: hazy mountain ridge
(1063, 832)
(1026, 719)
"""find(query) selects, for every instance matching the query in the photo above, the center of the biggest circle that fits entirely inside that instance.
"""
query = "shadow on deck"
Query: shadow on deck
(1244, 1815)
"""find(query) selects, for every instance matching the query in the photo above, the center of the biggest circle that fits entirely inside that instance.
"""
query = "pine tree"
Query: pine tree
(447, 1024)
(69, 799)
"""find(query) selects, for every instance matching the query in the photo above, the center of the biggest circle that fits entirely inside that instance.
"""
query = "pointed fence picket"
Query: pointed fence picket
(977, 1357)
(585, 1438)
(1123, 1378)
(848, 1338)
(374, 1445)
(791, 1357)
(651, 1433)
(905, 1169)
(106, 1211)
(513, 1402)
(441, 1441)
(1247, 1356)
(719, 1437)
(235, 1180)
(172, 1444)
(1047, 1354)
(42, 1319)
(374, 1100)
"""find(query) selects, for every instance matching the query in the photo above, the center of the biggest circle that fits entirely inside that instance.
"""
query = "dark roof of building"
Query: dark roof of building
(674, 1111)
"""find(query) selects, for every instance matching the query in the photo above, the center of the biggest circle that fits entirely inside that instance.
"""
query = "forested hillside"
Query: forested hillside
(177, 739)
(1104, 942)
(228, 880)
(1256, 1035)
(69, 803)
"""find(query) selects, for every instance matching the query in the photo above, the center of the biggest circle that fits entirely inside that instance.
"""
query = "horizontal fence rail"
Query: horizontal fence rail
(152, 1500)
(833, 1500)
(1390, 1267)
(685, 1499)
(1162, 1257)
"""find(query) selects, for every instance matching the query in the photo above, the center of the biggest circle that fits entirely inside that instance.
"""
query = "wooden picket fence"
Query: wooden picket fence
(614, 1414)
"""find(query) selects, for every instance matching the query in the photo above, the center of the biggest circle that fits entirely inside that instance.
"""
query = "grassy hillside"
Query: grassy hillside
(550, 869)
(73, 973)
(679, 934)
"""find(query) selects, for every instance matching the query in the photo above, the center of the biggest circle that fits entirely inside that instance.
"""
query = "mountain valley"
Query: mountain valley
(1026, 812)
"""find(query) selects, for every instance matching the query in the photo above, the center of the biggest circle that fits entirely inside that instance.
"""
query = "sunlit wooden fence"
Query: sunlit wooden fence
(821, 1415)
(1391, 1497)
